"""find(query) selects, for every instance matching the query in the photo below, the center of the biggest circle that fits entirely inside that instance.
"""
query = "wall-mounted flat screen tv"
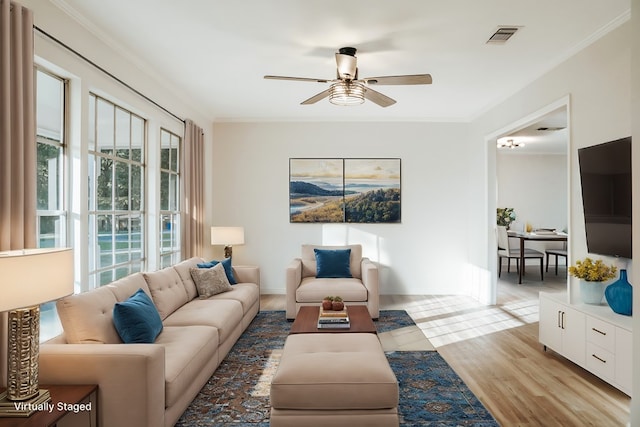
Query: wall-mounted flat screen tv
(605, 175)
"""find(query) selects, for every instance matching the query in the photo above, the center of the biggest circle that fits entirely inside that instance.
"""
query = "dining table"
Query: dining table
(538, 236)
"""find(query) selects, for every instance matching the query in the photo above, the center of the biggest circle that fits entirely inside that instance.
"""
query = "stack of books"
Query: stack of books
(333, 319)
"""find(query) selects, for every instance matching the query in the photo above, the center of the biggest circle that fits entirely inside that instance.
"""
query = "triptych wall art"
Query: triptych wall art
(344, 190)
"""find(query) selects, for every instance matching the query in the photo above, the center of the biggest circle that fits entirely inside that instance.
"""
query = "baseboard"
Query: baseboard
(271, 291)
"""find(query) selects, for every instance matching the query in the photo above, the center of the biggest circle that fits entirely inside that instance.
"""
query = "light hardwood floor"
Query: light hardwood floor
(495, 350)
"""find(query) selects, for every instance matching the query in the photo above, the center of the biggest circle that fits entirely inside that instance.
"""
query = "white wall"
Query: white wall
(597, 80)
(426, 253)
(535, 185)
(448, 203)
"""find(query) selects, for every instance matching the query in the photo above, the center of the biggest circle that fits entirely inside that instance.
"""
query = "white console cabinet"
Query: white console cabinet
(562, 329)
(591, 336)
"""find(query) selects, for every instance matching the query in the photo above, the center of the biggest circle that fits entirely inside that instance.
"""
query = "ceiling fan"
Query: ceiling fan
(348, 89)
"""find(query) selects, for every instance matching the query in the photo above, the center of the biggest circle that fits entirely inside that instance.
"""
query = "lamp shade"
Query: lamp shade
(343, 93)
(227, 235)
(31, 277)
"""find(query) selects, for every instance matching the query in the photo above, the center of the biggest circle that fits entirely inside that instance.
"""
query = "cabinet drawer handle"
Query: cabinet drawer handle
(602, 360)
(600, 332)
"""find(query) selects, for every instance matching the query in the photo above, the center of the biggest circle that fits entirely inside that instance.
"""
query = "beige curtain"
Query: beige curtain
(17, 140)
(192, 190)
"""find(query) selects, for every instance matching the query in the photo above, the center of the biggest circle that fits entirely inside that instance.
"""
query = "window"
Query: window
(169, 198)
(51, 211)
(116, 192)
(50, 137)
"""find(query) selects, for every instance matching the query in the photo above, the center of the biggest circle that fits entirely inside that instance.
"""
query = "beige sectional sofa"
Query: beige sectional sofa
(149, 384)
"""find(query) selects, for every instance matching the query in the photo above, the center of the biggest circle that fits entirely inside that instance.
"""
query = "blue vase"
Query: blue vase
(619, 295)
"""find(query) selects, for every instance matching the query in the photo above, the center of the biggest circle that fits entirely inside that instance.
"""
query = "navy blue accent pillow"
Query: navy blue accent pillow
(333, 263)
(137, 319)
(226, 263)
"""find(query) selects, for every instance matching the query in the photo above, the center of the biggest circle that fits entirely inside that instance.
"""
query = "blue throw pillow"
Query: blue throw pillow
(333, 263)
(137, 319)
(228, 270)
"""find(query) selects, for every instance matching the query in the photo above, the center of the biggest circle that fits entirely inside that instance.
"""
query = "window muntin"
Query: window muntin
(50, 151)
(169, 198)
(116, 192)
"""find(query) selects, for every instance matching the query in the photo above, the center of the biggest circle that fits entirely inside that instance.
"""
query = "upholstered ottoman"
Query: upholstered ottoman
(334, 380)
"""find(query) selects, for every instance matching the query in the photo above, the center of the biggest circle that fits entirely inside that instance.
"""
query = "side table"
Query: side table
(71, 405)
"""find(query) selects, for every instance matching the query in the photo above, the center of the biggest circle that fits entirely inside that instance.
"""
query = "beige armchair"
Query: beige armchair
(304, 288)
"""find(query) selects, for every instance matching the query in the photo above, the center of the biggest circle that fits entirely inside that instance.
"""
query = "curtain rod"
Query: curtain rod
(84, 58)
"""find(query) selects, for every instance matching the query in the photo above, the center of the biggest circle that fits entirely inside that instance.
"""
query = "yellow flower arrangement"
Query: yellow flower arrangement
(592, 271)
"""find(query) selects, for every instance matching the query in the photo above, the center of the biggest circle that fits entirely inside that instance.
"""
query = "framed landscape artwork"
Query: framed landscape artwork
(344, 190)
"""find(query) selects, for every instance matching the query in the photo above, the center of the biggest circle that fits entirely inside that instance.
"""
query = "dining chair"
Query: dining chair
(557, 252)
(506, 251)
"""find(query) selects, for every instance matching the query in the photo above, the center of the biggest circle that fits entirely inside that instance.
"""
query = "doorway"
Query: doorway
(528, 171)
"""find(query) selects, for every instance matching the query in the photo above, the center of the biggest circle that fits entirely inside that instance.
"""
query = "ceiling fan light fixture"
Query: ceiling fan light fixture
(346, 93)
(509, 143)
(348, 89)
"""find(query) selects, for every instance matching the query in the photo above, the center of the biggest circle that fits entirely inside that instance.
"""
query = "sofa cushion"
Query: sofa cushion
(187, 350)
(314, 290)
(246, 293)
(333, 263)
(333, 372)
(88, 317)
(128, 285)
(228, 269)
(167, 290)
(184, 271)
(247, 274)
(136, 319)
(210, 281)
(308, 258)
(223, 314)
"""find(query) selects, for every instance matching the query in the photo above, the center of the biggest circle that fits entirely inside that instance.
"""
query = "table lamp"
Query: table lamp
(227, 236)
(28, 278)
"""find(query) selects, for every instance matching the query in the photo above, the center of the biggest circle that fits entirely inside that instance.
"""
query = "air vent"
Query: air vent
(502, 34)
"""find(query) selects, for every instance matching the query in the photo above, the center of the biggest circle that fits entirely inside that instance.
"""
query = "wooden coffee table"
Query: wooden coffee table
(307, 321)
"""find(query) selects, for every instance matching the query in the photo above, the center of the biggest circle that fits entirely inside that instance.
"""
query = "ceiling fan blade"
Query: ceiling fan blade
(298, 79)
(414, 79)
(378, 98)
(316, 98)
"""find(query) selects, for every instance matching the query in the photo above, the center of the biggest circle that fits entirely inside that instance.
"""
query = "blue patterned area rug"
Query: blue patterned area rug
(237, 395)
